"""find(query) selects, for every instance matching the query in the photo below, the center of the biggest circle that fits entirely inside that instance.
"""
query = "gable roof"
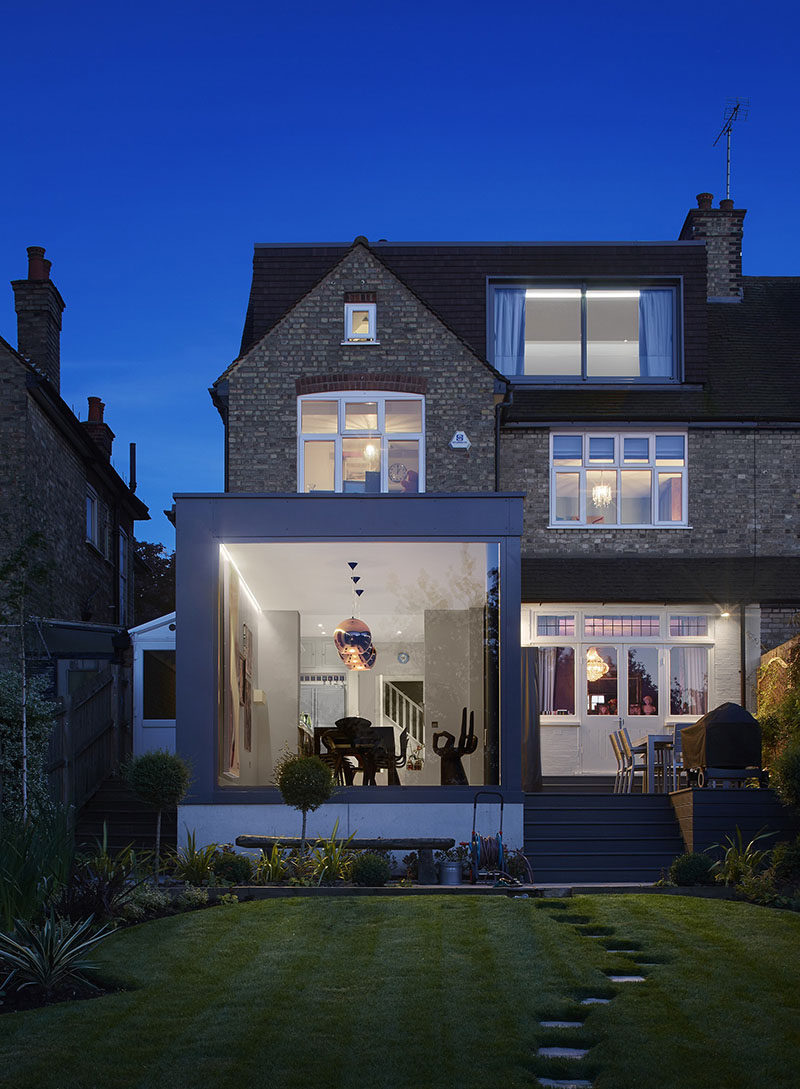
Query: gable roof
(450, 277)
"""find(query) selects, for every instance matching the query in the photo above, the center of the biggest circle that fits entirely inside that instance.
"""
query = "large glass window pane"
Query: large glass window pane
(636, 450)
(601, 497)
(621, 625)
(361, 465)
(567, 508)
(567, 449)
(360, 416)
(601, 681)
(556, 681)
(669, 449)
(688, 680)
(670, 497)
(643, 681)
(158, 690)
(403, 470)
(404, 416)
(320, 417)
(612, 334)
(426, 643)
(319, 460)
(601, 450)
(553, 332)
(636, 486)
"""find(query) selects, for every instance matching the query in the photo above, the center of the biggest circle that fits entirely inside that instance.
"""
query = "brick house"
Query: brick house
(57, 481)
(590, 444)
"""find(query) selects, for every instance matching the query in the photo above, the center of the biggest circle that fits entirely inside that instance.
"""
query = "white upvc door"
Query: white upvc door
(621, 684)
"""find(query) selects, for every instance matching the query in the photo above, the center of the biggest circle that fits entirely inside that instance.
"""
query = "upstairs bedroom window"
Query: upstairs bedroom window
(361, 442)
(580, 333)
(616, 479)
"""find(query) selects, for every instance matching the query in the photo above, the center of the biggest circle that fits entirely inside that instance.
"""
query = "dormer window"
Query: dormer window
(360, 318)
(586, 332)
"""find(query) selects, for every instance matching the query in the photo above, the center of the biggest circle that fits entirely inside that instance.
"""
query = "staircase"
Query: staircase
(403, 712)
(127, 819)
(588, 838)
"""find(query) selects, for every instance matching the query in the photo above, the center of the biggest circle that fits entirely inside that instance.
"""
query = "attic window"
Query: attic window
(360, 318)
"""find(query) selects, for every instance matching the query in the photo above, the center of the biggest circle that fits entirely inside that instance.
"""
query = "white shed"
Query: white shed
(154, 685)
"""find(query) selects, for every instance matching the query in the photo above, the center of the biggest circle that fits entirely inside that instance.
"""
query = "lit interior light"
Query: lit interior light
(253, 601)
(552, 293)
(612, 294)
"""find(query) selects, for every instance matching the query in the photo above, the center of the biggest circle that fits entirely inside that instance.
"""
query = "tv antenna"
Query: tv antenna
(736, 109)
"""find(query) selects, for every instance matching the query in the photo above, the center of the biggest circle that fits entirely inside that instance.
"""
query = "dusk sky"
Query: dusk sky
(149, 146)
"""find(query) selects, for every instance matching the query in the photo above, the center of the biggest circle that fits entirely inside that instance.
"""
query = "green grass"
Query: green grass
(429, 993)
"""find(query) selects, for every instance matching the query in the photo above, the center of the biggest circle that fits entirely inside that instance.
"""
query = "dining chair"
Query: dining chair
(630, 752)
(619, 777)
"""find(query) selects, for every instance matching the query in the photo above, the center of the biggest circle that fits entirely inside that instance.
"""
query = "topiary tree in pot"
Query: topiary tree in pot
(305, 783)
(159, 779)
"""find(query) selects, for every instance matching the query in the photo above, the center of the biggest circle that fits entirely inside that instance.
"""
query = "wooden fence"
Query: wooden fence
(85, 743)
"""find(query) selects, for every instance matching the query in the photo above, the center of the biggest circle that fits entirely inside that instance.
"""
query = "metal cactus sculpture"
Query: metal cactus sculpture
(450, 754)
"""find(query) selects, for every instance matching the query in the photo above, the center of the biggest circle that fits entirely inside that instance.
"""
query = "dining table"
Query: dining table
(648, 745)
(373, 749)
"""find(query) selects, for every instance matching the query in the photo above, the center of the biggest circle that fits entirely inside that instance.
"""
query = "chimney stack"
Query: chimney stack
(39, 307)
(97, 429)
(721, 229)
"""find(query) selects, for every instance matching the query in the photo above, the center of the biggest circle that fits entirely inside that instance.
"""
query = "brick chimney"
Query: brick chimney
(721, 229)
(99, 431)
(39, 307)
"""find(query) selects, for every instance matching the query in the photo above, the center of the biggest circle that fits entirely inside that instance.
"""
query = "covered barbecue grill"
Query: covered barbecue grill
(724, 744)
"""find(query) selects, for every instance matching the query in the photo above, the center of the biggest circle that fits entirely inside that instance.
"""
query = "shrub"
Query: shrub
(190, 898)
(50, 957)
(741, 860)
(195, 864)
(39, 715)
(231, 868)
(370, 868)
(785, 774)
(305, 783)
(35, 863)
(691, 869)
(332, 858)
(145, 902)
(272, 868)
(411, 863)
(786, 863)
(160, 779)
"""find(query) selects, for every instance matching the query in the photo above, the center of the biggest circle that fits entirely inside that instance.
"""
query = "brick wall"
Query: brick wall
(306, 344)
(742, 496)
(779, 624)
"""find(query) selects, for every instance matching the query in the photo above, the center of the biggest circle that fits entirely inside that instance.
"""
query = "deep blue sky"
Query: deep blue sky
(148, 146)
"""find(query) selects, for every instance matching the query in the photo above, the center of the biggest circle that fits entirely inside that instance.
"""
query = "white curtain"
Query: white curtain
(688, 680)
(548, 657)
(655, 334)
(509, 330)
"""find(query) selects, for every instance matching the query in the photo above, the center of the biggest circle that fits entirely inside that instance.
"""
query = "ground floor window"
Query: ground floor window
(380, 657)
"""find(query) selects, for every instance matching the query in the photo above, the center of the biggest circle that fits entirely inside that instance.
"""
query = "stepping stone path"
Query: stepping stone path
(578, 1053)
(562, 1052)
(573, 1083)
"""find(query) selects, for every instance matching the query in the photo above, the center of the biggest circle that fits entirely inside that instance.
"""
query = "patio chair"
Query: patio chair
(679, 775)
(629, 753)
(619, 777)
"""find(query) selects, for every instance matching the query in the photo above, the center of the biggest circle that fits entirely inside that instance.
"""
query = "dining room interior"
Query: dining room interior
(381, 657)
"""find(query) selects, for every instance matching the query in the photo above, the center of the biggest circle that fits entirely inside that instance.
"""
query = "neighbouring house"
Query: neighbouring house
(61, 497)
(571, 462)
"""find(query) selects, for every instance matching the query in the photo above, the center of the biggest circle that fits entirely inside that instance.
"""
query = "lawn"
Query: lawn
(430, 993)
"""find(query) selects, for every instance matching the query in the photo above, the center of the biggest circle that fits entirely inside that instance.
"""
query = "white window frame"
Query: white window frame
(580, 642)
(92, 517)
(372, 312)
(616, 468)
(343, 398)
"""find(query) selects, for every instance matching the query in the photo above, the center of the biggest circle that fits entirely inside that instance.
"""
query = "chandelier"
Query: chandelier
(595, 666)
(602, 494)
